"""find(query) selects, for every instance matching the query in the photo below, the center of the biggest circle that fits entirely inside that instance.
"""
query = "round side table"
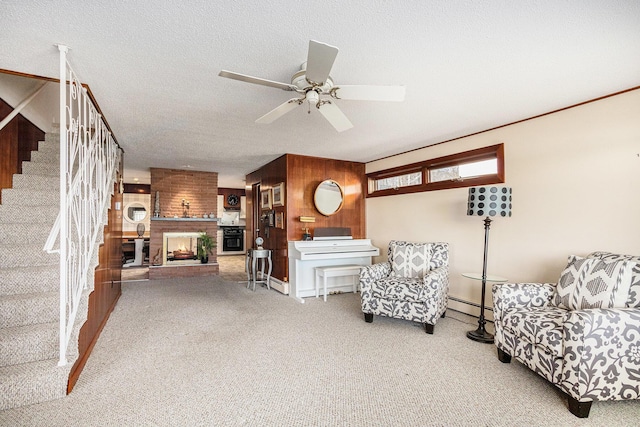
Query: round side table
(253, 255)
(481, 334)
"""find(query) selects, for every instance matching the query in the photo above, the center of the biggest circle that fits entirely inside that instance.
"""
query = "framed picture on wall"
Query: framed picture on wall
(279, 219)
(278, 194)
(265, 199)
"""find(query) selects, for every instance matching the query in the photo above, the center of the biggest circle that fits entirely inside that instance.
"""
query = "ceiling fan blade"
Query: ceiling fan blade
(369, 93)
(335, 116)
(256, 80)
(279, 111)
(320, 61)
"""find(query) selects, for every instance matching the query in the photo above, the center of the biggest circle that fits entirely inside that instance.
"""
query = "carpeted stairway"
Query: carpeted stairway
(29, 285)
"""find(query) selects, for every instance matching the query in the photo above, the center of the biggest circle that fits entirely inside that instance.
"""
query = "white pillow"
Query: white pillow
(593, 283)
(410, 261)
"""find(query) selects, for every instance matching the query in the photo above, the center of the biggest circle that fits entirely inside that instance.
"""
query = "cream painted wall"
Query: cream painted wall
(575, 176)
(129, 227)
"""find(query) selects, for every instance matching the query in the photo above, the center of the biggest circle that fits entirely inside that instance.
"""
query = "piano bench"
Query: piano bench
(336, 271)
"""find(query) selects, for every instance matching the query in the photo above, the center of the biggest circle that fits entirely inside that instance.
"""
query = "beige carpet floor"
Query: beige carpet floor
(209, 352)
(232, 267)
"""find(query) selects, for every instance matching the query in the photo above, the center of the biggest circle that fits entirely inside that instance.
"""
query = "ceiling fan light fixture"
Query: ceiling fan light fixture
(312, 97)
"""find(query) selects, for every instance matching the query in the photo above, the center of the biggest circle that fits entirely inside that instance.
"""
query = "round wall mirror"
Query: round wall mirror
(135, 212)
(328, 197)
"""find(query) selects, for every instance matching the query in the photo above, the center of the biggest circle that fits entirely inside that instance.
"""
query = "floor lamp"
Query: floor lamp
(489, 201)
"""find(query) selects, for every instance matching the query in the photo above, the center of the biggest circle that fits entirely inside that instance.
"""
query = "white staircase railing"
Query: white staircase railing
(89, 160)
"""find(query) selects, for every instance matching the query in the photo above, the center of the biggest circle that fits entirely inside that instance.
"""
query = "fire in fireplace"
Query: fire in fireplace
(179, 248)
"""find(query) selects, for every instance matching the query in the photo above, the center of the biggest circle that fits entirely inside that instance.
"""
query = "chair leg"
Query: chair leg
(503, 356)
(368, 317)
(579, 409)
(428, 328)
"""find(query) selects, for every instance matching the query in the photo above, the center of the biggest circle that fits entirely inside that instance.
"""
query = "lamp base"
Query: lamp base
(480, 335)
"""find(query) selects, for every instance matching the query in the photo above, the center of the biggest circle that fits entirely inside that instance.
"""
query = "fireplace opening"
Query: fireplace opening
(180, 248)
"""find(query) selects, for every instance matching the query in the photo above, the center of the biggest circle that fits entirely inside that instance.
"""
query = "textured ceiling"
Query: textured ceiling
(467, 66)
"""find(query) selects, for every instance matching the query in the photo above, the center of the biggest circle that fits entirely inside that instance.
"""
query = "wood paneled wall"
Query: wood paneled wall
(107, 285)
(17, 139)
(301, 175)
(276, 239)
(304, 174)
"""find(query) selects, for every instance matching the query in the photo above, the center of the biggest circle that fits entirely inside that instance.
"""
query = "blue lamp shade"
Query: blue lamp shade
(489, 201)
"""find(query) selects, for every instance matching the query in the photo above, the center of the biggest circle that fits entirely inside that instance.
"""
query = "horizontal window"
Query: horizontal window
(462, 171)
(395, 182)
(482, 166)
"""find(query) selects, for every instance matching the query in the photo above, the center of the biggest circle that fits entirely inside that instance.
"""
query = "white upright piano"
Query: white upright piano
(305, 256)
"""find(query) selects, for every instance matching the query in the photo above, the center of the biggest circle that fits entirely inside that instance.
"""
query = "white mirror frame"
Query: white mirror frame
(125, 214)
(328, 197)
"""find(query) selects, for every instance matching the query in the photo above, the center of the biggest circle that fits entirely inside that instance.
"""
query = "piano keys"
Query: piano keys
(305, 256)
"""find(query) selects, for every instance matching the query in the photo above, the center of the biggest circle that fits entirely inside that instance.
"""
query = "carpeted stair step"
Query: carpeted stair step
(34, 234)
(47, 153)
(29, 309)
(54, 134)
(49, 168)
(25, 255)
(31, 279)
(34, 214)
(40, 157)
(33, 382)
(29, 285)
(50, 143)
(36, 182)
(23, 197)
(23, 344)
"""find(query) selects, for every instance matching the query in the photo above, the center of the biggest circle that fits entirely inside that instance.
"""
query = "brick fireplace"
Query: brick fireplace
(200, 189)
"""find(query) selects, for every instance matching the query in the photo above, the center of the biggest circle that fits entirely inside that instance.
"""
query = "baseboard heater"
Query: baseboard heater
(461, 301)
(469, 303)
(279, 285)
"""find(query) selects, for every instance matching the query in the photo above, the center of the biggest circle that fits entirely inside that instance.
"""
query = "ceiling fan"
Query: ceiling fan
(317, 88)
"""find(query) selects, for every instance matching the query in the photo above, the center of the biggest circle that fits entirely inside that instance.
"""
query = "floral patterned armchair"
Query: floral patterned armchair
(412, 285)
(581, 334)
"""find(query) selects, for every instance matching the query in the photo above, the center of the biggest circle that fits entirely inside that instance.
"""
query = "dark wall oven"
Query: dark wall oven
(232, 239)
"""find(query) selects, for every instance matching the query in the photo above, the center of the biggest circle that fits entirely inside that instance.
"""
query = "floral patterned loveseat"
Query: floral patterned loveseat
(413, 284)
(581, 334)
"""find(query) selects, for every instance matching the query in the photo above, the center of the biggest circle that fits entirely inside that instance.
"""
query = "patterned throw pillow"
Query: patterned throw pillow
(593, 283)
(410, 260)
(568, 281)
(634, 289)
